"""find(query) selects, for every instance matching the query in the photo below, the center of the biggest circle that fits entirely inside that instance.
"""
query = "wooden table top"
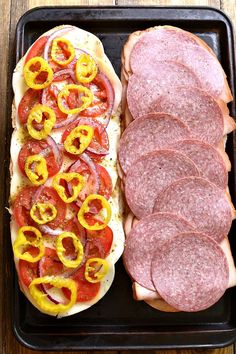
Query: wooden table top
(11, 11)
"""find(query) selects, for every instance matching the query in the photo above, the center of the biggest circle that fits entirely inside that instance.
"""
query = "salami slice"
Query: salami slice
(208, 160)
(190, 272)
(151, 174)
(150, 233)
(200, 202)
(145, 87)
(165, 43)
(148, 133)
(194, 107)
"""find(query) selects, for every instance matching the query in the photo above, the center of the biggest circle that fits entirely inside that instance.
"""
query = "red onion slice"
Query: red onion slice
(49, 231)
(55, 34)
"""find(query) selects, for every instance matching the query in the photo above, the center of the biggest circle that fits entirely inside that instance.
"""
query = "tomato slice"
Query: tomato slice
(27, 270)
(33, 147)
(104, 238)
(100, 102)
(86, 290)
(48, 194)
(28, 101)
(37, 49)
(105, 182)
(100, 140)
(50, 97)
(22, 206)
(74, 226)
(50, 263)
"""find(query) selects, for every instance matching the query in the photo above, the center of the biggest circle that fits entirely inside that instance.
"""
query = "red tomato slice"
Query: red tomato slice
(22, 206)
(25, 199)
(100, 141)
(86, 290)
(74, 226)
(28, 101)
(37, 49)
(48, 194)
(27, 270)
(33, 147)
(105, 182)
(50, 97)
(100, 102)
(104, 238)
(50, 263)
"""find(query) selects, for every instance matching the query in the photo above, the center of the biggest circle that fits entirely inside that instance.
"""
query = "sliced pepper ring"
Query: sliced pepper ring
(79, 133)
(40, 173)
(61, 250)
(68, 177)
(98, 267)
(56, 49)
(85, 208)
(44, 302)
(33, 69)
(86, 97)
(23, 241)
(37, 114)
(47, 212)
(85, 69)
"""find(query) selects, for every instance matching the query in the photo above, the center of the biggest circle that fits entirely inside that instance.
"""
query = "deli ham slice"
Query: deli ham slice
(201, 202)
(150, 233)
(169, 43)
(151, 174)
(151, 132)
(208, 160)
(190, 272)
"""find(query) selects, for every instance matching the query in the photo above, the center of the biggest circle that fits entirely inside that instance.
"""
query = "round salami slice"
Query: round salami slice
(194, 107)
(208, 160)
(200, 202)
(140, 245)
(151, 174)
(190, 272)
(144, 88)
(165, 43)
(148, 133)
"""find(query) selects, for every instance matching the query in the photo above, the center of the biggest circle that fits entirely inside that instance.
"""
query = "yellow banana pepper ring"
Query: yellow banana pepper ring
(60, 45)
(46, 212)
(84, 133)
(34, 72)
(23, 241)
(98, 267)
(68, 177)
(44, 302)
(36, 169)
(61, 249)
(85, 96)
(85, 208)
(39, 114)
(85, 69)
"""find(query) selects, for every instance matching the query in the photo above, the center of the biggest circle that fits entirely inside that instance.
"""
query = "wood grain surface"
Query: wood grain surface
(11, 10)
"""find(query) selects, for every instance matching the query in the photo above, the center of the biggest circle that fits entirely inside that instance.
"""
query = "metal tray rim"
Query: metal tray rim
(231, 332)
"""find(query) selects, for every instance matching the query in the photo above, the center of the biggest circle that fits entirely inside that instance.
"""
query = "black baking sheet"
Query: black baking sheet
(117, 321)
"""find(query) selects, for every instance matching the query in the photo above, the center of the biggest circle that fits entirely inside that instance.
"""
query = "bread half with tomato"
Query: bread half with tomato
(65, 205)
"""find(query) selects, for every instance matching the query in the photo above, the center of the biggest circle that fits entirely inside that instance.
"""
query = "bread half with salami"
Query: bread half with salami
(65, 204)
(179, 211)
